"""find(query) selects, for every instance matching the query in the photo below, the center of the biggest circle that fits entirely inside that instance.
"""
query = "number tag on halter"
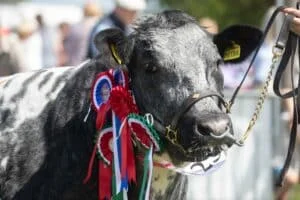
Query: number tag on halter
(203, 167)
(232, 53)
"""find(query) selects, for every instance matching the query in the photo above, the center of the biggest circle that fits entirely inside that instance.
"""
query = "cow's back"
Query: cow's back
(25, 100)
(24, 96)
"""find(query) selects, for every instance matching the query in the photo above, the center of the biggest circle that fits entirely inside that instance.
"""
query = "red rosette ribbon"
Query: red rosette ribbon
(105, 149)
(122, 102)
(128, 170)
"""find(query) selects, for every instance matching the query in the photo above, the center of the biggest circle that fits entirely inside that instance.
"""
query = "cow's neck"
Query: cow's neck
(166, 184)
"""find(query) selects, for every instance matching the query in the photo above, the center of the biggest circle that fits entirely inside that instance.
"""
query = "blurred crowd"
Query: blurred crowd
(33, 45)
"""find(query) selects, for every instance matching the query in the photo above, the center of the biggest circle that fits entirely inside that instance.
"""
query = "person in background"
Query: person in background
(121, 17)
(31, 46)
(63, 32)
(48, 50)
(10, 52)
(295, 26)
(292, 177)
(77, 39)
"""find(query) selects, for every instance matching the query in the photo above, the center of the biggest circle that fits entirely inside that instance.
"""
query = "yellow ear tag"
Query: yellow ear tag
(232, 52)
(115, 54)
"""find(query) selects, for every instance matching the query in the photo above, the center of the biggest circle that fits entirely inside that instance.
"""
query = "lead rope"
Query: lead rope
(262, 97)
(278, 50)
(266, 31)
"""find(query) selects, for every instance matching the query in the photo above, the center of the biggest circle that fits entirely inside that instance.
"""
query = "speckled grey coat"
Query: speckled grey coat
(45, 144)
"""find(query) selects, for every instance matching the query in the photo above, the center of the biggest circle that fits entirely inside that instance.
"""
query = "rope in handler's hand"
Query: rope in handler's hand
(278, 50)
(261, 99)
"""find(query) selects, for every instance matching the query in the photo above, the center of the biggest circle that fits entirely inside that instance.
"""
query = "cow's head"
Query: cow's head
(169, 58)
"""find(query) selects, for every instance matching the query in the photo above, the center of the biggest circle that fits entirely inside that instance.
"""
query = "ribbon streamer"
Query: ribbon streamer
(116, 153)
(147, 176)
(117, 122)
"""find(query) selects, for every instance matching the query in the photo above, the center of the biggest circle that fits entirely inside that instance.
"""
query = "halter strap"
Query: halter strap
(266, 31)
(170, 131)
(190, 101)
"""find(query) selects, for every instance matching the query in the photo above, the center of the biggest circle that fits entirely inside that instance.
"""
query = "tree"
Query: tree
(225, 12)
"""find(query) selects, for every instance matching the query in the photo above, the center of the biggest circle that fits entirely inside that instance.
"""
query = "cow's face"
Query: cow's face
(170, 57)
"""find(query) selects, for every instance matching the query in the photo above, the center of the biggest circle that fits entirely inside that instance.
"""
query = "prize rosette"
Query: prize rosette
(105, 145)
(120, 78)
(101, 89)
(144, 132)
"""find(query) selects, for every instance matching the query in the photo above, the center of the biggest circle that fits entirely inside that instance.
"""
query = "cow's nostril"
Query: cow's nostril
(200, 131)
(220, 136)
(216, 125)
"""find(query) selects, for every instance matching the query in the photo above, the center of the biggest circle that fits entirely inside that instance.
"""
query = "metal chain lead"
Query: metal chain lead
(262, 97)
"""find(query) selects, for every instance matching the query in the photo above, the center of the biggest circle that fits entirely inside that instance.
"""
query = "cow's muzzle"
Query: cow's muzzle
(219, 129)
(217, 126)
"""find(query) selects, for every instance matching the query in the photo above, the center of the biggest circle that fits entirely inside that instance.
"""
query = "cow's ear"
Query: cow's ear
(237, 42)
(120, 46)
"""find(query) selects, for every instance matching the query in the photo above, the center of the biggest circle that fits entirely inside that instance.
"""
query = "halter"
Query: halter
(170, 131)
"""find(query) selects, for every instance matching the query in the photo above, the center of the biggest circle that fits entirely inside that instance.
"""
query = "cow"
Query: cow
(47, 131)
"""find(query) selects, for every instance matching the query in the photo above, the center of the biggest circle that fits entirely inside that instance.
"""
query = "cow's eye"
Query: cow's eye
(151, 68)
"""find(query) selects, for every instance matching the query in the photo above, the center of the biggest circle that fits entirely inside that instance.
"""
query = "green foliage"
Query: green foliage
(225, 12)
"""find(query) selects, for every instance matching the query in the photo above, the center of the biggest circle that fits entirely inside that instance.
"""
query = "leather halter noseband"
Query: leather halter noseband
(170, 131)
